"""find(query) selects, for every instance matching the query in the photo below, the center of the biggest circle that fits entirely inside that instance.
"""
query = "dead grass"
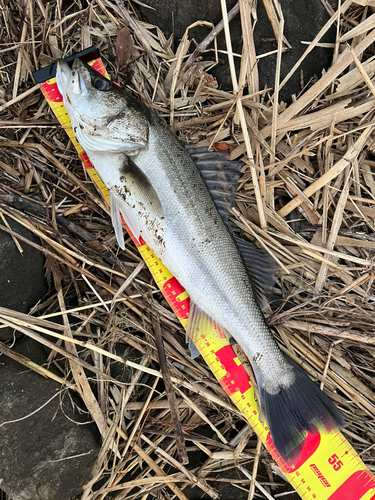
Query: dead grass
(310, 161)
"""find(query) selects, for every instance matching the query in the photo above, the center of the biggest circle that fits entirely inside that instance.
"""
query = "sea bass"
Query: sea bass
(157, 188)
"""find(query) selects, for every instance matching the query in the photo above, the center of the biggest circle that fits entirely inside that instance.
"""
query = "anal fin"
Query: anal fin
(194, 353)
(199, 323)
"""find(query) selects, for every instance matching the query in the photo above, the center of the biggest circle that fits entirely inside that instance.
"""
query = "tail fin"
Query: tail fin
(294, 410)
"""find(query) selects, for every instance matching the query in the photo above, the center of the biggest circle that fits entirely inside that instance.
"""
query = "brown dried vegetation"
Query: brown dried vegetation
(313, 159)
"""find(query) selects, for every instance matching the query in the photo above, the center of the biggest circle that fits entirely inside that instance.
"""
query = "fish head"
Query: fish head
(105, 118)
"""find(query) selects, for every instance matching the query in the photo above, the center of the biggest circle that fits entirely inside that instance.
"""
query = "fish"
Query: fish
(156, 187)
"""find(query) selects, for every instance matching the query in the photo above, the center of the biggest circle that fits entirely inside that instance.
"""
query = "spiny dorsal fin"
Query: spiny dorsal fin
(221, 176)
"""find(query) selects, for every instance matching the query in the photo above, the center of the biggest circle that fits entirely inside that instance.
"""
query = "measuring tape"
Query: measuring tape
(328, 468)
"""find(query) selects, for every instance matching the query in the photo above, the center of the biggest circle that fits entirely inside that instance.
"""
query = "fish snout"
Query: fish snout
(63, 75)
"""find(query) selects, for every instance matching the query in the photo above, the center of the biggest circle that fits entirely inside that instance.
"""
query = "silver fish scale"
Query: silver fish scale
(202, 255)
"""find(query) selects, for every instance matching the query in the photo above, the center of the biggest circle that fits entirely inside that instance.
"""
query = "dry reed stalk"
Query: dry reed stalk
(334, 18)
(258, 194)
(314, 156)
(255, 470)
(151, 463)
(322, 84)
(345, 161)
(176, 423)
(23, 360)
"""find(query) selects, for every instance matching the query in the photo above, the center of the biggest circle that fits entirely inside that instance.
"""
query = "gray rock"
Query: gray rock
(22, 281)
(303, 20)
(49, 455)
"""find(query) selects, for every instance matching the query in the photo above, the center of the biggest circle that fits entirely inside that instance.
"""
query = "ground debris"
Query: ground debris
(306, 195)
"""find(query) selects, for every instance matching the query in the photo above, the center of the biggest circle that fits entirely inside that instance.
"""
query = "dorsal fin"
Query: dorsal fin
(221, 176)
(262, 269)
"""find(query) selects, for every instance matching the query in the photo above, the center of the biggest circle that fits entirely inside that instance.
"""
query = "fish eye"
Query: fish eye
(101, 84)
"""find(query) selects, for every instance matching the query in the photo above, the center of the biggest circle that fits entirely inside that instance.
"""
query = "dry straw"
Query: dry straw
(311, 161)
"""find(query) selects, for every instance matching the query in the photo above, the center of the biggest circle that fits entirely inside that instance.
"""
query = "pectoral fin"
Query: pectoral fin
(136, 200)
(120, 207)
(135, 181)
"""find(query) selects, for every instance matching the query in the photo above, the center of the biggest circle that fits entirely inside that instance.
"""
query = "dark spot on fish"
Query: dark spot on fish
(162, 218)
(126, 190)
(257, 357)
(80, 126)
(160, 240)
(67, 98)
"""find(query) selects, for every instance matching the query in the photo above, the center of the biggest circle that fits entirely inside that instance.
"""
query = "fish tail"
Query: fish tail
(295, 409)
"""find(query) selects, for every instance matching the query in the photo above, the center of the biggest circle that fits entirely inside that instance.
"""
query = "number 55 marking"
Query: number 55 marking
(335, 462)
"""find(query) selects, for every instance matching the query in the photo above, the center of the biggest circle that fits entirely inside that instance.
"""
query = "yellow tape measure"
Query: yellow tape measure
(328, 468)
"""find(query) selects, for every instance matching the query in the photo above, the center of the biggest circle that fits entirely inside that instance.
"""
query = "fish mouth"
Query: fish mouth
(63, 75)
(71, 81)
